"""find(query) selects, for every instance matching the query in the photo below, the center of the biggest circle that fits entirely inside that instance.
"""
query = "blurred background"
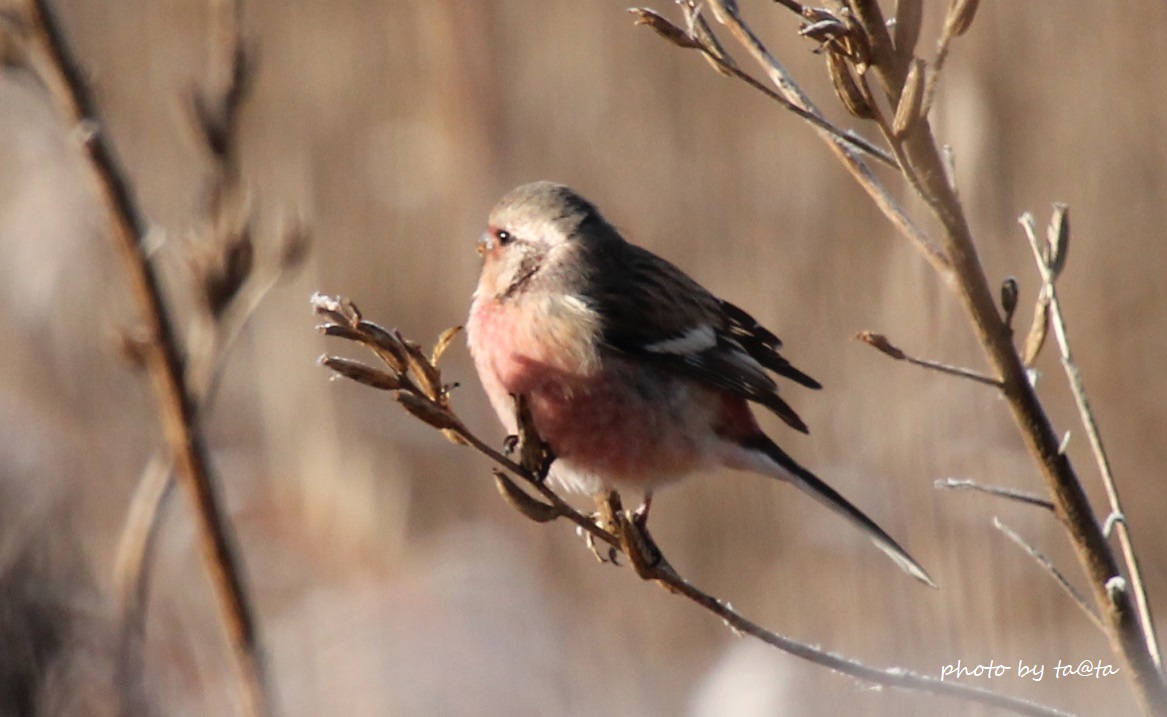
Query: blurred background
(389, 576)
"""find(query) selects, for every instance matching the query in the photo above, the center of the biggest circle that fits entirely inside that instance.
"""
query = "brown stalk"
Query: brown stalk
(1048, 566)
(1049, 264)
(163, 358)
(956, 260)
(728, 15)
(922, 158)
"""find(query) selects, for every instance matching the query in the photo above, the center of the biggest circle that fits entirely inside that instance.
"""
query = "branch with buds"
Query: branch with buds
(879, 78)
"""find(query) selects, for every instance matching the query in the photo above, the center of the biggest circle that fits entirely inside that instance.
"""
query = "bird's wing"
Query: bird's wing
(654, 311)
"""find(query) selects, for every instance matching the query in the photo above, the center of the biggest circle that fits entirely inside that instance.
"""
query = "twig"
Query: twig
(132, 575)
(999, 491)
(164, 361)
(956, 23)
(344, 321)
(729, 17)
(1050, 261)
(1048, 565)
(880, 342)
(960, 268)
(722, 64)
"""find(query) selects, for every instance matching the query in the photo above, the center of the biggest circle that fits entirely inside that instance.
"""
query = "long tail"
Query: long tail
(790, 470)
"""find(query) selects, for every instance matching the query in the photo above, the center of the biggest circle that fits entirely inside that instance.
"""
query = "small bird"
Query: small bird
(634, 374)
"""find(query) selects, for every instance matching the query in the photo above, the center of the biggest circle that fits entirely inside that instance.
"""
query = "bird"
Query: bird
(634, 374)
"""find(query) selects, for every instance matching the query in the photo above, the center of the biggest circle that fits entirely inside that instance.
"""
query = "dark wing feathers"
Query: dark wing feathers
(654, 311)
(762, 345)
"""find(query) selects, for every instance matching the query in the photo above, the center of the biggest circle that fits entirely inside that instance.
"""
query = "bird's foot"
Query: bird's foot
(604, 553)
(631, 530)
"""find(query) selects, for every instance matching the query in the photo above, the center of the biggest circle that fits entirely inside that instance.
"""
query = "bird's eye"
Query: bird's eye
(504, 237)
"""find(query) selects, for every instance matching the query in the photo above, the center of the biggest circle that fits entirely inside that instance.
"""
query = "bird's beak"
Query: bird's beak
(485, 243)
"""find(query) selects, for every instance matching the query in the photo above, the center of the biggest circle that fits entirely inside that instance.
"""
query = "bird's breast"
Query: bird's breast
(531, 342)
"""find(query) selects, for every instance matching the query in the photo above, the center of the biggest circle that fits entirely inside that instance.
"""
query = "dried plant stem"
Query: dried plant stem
(727, 14)
(924, 161)
(1046, 564)
(668, 579)
(164, 361)
(1086, 414)
(880, 343)
(701, 38)
(955, 259)
(999, 491)
(132, 576)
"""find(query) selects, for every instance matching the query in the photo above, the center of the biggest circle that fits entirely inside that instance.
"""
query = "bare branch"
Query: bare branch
(956, 23)
(1050, 260)
(999, 491)
(163, 357)
(956, 259)
(724, 64)
(879, 193)
(1048, 565)
(880, 342)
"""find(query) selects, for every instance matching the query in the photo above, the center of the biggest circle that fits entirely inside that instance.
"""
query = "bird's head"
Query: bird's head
(537, 231)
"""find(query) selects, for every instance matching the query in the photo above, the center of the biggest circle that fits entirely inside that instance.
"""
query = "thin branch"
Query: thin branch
(727, 15)
(958, 264)
(1050, 260)
(132, 562)
(892, 677)
(880, 342)
(437, 412)
(1048, 565)
(996, 490)
(727, 67)
(956, 23)
(795, 7)
(179, 417)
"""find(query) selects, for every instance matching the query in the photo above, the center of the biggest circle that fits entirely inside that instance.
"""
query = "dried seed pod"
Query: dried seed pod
(1009, 293)
(341, 331)
(426, 410)
(428, 377)
(1035, 339)
(847, 88)
(1058, 236)
(664, 27)
(443, 343)
(880, 342)
(911, 99)
(960, 16)
(518, 499)
(361, 373)
(337, 308)
(385, 344)
(909, 14)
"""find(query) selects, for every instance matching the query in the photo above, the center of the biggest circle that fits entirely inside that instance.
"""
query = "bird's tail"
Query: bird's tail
(786, 468)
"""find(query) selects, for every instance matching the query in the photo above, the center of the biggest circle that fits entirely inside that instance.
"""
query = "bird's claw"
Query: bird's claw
(631, 531)
(604, 557)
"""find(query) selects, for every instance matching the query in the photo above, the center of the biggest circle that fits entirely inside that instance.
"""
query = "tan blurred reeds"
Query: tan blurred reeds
(389, 576)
